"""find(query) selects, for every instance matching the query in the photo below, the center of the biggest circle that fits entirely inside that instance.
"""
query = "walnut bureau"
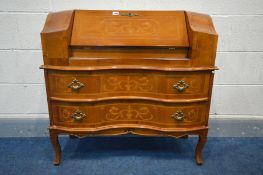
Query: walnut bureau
(147, 73)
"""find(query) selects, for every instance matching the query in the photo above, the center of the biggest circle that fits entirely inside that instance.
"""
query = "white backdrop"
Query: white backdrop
(238, 89)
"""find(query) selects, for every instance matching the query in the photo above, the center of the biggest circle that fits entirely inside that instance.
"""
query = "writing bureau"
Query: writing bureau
(128, 72)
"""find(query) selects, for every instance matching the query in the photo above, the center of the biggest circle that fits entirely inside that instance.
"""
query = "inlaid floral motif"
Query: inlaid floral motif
(129, 113)
(132, 27)
(128, 84)
(65, 113)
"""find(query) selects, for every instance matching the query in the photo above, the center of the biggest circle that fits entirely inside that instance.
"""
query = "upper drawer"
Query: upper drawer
(120, 83)
(129, 28)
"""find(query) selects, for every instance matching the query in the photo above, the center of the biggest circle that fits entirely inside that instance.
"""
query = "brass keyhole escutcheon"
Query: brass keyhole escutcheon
(129, 14)
(78, 115)
(75, 85)
(178, 116)
(180, 86)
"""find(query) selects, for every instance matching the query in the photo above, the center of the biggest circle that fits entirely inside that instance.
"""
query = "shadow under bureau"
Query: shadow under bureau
(147, 73)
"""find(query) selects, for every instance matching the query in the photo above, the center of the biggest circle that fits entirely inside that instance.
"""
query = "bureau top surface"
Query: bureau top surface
(133, 28)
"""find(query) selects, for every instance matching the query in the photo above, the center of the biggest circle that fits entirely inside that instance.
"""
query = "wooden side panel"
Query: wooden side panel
(140, 28)
(56, 36)
(203, 39)
(118, 112)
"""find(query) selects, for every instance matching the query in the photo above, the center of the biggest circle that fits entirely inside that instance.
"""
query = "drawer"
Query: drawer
(114, 83)
(138, 112)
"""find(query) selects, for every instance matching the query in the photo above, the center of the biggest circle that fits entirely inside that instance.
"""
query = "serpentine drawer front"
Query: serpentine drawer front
(137, 112)
(148, 84)
(147, 73)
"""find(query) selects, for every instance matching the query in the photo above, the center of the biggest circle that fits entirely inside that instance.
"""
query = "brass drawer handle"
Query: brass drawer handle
(75, 85)
(180, 86)
(78, 115)
(178, 116)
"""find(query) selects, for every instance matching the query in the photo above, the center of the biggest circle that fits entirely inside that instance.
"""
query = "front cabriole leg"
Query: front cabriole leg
(199, 147)
(56, 146)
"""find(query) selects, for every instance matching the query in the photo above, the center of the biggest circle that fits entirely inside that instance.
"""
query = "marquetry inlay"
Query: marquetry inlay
(127, 83)
(129, 113)
(132, 27)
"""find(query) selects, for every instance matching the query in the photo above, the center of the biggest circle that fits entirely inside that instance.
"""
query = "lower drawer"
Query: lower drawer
(116, 112)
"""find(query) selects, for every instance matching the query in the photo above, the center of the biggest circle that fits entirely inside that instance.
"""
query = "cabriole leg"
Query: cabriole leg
(56, 146)
(199, 147)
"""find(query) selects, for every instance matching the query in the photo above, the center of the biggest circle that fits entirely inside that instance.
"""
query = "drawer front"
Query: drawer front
(100, 84)
(129, 112)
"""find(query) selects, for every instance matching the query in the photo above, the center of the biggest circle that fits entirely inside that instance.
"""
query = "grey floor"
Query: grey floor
(234, 147)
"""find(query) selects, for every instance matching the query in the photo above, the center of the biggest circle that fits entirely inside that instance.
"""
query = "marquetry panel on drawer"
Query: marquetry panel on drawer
(114, 83)
(129, 112)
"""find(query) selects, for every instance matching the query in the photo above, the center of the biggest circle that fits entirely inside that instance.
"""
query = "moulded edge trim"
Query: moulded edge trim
(130, 98)
(126, 67)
